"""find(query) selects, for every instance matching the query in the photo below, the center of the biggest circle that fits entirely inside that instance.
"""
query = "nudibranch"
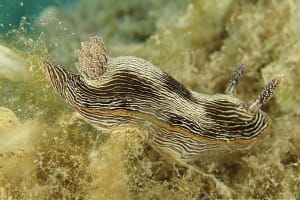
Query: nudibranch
(129, 91)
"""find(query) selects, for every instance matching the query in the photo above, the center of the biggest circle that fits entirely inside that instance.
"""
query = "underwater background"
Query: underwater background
(47, 152)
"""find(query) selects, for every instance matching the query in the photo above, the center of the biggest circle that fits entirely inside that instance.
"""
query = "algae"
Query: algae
(48, 153)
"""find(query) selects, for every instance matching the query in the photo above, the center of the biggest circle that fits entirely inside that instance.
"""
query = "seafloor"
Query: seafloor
(47, 152)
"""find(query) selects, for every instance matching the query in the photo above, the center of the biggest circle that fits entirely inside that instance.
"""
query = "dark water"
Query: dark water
(13, 11)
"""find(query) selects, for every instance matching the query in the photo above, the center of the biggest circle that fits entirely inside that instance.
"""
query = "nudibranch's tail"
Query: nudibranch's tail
(266, 94)
(58, 76)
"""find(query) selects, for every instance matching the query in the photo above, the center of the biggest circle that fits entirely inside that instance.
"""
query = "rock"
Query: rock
(8, 120)
(12, 65)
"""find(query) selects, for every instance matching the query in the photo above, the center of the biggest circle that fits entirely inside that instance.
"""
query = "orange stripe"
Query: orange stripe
(165, 125)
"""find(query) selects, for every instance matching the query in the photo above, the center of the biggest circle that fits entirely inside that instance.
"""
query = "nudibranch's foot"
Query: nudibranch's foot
(266, 94)
(236, 76)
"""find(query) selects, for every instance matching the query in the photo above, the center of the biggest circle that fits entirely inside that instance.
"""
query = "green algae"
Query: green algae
(61, 157)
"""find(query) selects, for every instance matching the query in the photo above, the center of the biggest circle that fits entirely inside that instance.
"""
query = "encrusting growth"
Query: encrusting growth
(128, 91)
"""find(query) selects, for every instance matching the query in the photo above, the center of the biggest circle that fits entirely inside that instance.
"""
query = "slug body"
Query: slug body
(129, 91)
